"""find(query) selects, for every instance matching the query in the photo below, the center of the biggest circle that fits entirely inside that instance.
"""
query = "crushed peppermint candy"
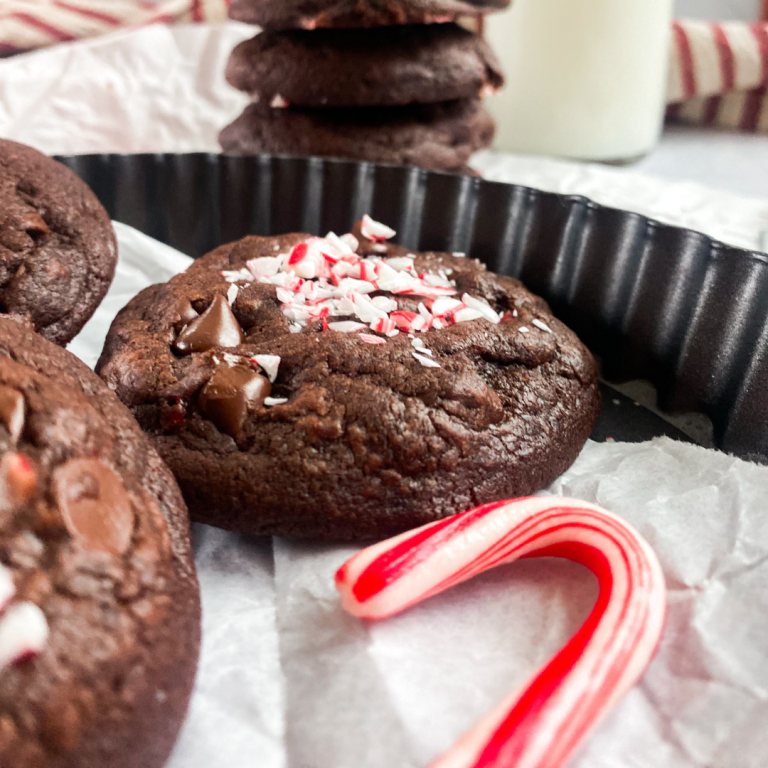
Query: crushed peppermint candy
(523, 329)
(232, 294)
(278, 102)
(426, 361)
(269, 364)
(374, 230)
(270, 402)
(370, 339)
(237, 276)
(23, 633)
(323, 279)
(421, 347)
(346, 326)
(542, 325)
(482, 307)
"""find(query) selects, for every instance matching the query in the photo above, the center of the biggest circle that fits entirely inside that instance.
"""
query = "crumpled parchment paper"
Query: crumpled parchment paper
(288, 680)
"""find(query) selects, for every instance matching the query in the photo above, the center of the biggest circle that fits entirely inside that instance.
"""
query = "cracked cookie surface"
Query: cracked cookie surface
(95, 538)
(359, 435)
(57, 247)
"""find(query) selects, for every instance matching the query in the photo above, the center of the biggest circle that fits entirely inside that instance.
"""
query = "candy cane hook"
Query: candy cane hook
(541, 725)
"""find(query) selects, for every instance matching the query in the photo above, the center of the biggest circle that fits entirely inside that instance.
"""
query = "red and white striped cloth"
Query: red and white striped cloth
(28, 24)
(719, 74)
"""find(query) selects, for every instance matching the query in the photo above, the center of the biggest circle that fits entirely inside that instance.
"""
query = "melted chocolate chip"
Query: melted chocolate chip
(94, 505)
(216, 327)
(12, 411)
(186, 313)
(230, 394)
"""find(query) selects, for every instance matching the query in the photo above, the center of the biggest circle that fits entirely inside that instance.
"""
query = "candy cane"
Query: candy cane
(541, 725)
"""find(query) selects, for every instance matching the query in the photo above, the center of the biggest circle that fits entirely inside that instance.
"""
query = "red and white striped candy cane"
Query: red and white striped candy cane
(541, 725)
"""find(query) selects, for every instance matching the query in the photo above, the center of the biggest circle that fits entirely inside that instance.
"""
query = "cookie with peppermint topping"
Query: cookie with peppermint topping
(384, 66)
(346, 388)
(439, 136)
(311, 14)
(99, 602)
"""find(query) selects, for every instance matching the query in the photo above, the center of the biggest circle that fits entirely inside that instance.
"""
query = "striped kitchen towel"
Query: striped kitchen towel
(28, 24)
(719, 74)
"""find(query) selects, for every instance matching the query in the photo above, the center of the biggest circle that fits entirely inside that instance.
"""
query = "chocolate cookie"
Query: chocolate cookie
(440, 136)
(57, 248)
(99, 603)
(385, 66)
(297, 389)
(310, 14)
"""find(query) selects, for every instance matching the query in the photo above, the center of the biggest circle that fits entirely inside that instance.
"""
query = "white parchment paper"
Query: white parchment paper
(286, 679)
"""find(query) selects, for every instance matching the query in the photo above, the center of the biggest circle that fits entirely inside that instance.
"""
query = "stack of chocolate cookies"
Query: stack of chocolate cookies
(396, 81)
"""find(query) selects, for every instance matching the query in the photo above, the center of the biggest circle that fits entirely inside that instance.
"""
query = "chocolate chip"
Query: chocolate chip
(12, 411)
(186, 313)
(216, 327)
(94, 505)
(231, 394)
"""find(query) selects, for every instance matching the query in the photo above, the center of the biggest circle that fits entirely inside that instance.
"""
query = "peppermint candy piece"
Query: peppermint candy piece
(482, 307)
(384, 325)
(265, 266)
(426, 361)
(375, 230)
(371, 339)
(23, 633)
(541, 726)
(341, 244)
(269, 364)
(346, 326)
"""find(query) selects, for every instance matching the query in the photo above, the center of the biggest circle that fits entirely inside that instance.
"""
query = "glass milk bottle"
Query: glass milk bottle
(586, 79)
